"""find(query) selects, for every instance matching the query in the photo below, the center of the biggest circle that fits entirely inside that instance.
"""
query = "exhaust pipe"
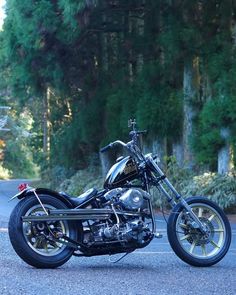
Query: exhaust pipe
(70, 214)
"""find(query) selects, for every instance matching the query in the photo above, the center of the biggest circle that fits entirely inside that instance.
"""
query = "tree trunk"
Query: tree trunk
(46, 125)
(225, 154)
(190, 87)
(157, 147)
(178, 153)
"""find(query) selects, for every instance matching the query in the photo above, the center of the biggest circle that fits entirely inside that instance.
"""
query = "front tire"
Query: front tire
(28, 238)
(189, 243)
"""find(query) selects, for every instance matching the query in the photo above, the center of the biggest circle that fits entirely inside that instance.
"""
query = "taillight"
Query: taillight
(22, 186)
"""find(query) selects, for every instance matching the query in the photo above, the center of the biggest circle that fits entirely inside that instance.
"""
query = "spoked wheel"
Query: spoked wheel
(38, 243)
(189, 243)
(40, 235)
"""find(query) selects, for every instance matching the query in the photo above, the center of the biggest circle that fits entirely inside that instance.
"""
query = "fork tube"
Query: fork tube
(150, 204)
(165, 179)
(177, 195)
(169, 198)
(153, 216)
(168, 183)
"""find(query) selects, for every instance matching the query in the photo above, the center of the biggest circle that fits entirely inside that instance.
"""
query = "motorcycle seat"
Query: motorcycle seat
(78, 200)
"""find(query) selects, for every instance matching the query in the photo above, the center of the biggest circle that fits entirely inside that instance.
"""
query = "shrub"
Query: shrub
(4, 173)
(81, 181)
(218, 188)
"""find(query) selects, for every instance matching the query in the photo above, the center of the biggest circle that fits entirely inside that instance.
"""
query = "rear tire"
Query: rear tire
(190, 244)
(28, 239)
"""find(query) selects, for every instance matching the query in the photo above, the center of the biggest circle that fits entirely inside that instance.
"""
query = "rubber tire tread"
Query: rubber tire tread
(174, 242)
(18, 240)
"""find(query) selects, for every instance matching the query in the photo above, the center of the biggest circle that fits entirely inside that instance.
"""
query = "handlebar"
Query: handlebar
(110, 145)
(106, 148)
(133, 145)
(132, 134)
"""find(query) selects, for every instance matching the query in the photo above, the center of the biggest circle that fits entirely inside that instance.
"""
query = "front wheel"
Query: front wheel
(189, 243)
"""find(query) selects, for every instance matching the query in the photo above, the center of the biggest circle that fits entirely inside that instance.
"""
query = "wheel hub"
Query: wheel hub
(197, 237)
(42, 237)
(40, 226)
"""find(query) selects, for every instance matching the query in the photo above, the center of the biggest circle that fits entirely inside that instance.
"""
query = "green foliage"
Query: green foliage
(219, 188)
(107, 61)
(82, 181)
(4, 173)
(18, 159)
(71, 9)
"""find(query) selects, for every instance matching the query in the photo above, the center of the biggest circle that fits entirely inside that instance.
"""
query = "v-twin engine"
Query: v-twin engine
(128, 199)
(130, 222)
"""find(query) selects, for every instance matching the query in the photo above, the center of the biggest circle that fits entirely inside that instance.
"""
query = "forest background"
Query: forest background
(74, 72)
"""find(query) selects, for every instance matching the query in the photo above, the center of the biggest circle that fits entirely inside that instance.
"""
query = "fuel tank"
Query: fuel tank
(125, 170)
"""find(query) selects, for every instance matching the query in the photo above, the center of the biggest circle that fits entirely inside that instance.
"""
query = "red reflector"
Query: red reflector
(22, 186)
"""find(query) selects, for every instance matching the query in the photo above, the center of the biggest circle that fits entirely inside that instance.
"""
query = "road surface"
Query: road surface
(152, 270)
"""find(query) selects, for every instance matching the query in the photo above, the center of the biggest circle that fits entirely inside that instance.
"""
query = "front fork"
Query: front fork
(177, 197)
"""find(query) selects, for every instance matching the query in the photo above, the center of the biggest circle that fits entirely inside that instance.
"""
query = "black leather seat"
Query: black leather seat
(76, 201)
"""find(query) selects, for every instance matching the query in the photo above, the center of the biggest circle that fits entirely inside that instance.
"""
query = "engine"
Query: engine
(127, 199)
(128, 224)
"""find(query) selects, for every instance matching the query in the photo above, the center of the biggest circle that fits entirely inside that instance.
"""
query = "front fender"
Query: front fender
(42, 191)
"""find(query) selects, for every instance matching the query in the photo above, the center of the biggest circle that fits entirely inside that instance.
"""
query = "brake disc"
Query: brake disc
(196, 236)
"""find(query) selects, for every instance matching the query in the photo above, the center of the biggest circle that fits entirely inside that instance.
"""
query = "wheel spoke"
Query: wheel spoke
(36, 243)
(45, 246)
(192, 247)
(211, 217)
(183, 225)
(184, 237)
(204, 250)
(200, 211)
(214, 244)
(218, 230)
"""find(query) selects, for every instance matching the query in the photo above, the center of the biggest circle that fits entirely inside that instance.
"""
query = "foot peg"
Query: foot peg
(158, 235)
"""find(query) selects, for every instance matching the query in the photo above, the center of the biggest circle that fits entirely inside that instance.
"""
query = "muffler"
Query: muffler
(70, 214)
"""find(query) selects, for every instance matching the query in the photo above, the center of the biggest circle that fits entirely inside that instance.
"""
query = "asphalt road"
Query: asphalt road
(152, 270)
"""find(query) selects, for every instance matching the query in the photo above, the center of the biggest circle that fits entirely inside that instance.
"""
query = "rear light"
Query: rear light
(22, 186)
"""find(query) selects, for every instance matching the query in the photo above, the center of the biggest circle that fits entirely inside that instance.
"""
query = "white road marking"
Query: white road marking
(153, 252)
(3, 230)
(168, 252)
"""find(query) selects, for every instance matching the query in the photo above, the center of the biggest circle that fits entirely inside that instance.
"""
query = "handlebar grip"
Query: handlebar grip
(106, 148)
(142, 132)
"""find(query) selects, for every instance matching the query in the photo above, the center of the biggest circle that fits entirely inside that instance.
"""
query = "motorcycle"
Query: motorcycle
(47, 227)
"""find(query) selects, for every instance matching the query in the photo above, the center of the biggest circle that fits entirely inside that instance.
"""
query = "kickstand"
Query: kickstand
(119, 259)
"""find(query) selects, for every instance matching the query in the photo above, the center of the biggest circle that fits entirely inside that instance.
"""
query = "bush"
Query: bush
(81, 181)
(218, 188)
(4, 173)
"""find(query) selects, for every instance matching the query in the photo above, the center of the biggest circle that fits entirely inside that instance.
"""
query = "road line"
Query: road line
(165, 252)
(153, 252)
(3, 230)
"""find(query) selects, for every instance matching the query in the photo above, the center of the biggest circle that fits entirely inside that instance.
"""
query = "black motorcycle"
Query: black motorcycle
(47, 227)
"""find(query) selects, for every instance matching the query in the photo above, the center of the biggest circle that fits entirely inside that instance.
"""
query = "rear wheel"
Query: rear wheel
(35, 242)
(189, 243)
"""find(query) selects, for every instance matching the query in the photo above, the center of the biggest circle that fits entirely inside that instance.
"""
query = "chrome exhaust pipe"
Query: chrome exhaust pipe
(70, 214)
